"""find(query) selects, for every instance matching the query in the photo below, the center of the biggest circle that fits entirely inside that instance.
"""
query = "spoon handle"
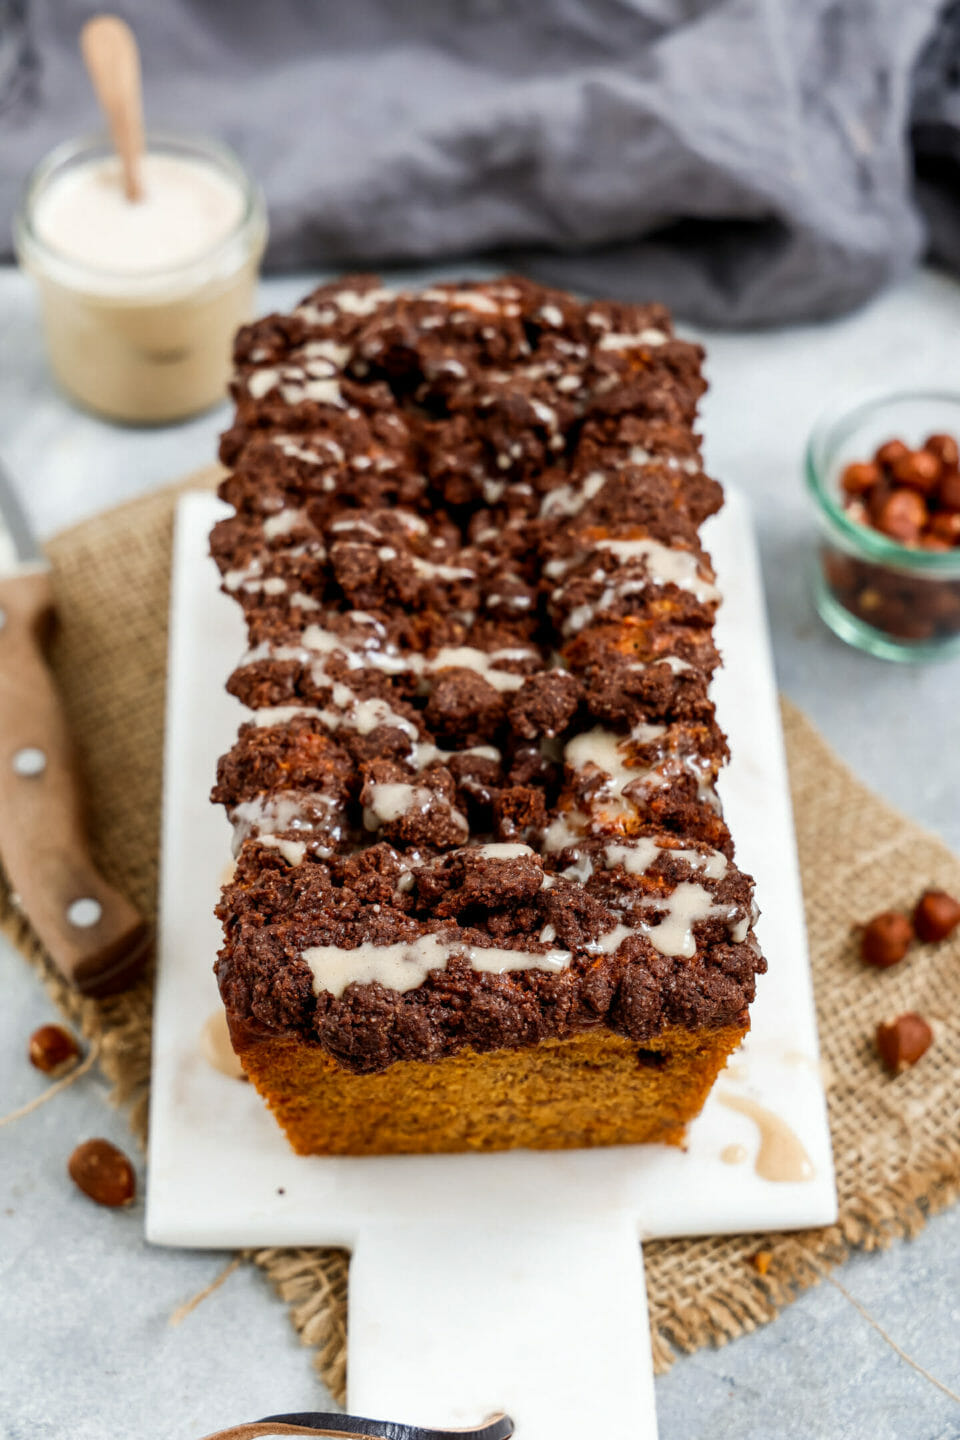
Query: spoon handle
(112, 59)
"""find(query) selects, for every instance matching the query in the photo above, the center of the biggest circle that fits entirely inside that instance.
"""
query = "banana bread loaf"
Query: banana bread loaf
(485, 896)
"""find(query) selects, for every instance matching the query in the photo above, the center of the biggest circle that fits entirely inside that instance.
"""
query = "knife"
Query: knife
(352, 1427)
(94, 936)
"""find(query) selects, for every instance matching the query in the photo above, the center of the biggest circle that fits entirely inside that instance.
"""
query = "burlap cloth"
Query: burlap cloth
(896, 1144)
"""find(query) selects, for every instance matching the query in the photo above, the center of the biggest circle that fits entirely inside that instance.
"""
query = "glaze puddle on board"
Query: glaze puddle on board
(781, 1156)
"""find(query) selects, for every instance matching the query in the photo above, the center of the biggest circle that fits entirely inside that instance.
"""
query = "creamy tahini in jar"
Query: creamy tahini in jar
(141, 299)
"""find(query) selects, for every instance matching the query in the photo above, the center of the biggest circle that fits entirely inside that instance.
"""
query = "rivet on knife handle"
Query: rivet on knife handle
(92, 933)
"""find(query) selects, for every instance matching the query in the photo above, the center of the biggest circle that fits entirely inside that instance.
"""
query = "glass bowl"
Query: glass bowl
(896, 601)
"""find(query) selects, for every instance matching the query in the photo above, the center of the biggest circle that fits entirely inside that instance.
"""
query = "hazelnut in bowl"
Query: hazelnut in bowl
(885, 480)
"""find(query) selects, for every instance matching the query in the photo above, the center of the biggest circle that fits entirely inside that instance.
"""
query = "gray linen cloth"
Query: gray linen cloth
(748, 161)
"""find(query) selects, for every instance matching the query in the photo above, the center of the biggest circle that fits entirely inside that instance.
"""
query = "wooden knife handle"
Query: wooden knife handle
(94, 936)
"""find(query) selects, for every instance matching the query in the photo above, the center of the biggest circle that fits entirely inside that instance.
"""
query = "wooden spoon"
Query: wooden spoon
(112, 59)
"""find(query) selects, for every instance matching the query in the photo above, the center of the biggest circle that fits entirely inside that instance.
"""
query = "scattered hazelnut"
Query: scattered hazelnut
(53, 1050)
(103, 1173)
(762, 1261)
(902, 1042)
(860, 477)
(886, 939)
(890, 453)
(937, 915)
(945, 448)
(918, 469)
(948, 492)
(902, 515)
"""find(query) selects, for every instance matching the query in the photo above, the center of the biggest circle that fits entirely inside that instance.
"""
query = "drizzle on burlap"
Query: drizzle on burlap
(896, 1150)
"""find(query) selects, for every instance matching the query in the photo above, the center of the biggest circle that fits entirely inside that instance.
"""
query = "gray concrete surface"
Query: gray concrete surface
(85, 1345)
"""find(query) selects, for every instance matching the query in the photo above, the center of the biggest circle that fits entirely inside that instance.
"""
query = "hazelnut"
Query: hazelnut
(948, 492)
(840, 571)
(907, 627)
(869, 599)
(891, 452)
(53, 1050)
(945, 526)
(937, 915)
(944, 603)
(918, 469)
(903, 1041)
(945, 448)
(902, 515)
(877, 498)
(103, 1173)
(860, 477)
(886, 939)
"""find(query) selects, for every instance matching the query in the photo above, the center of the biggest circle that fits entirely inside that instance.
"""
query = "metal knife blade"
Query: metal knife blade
(91, 932)
(18, 544)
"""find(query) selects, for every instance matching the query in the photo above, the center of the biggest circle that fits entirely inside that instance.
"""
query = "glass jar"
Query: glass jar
(896, 601)
(146, 343)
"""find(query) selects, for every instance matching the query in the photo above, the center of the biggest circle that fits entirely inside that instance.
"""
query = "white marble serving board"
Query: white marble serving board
(502, 1244)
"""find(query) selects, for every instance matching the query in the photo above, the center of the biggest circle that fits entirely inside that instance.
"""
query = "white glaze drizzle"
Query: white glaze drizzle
(686, 905)
(570, 499)
(290, 446)
(279, 714)
(267, 815)
(348, 302)
(665, 564)
(662, 566)
(293, 851)
(639, 854)
(431, 571)
(468, 300)
(390, 800)
(614, 341)
(602, 750)
(405, 965)
(502, 850)
(283, 522)
(310, 373)
(675, 662)
(368, 651)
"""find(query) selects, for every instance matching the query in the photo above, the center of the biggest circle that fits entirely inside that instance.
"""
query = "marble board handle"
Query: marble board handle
(94, 936)
(542, 1317)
